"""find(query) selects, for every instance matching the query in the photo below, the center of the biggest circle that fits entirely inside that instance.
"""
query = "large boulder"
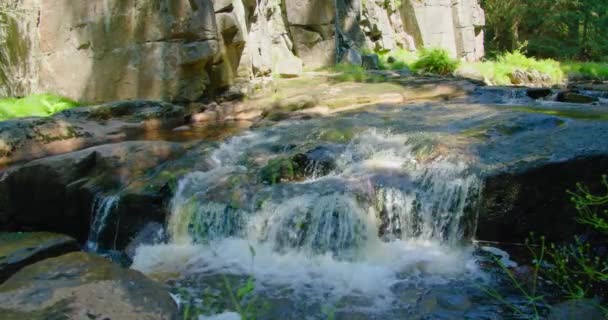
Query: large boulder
(61, 193)
(79, 128)
(18, 250)
(83, 286)
(161, 51)
(536, 200)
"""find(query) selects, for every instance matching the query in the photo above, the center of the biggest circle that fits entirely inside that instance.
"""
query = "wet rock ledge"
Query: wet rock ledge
(50, 279)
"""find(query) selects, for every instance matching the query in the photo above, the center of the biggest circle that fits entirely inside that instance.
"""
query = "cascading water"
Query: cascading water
(393, 208)
(102, 209)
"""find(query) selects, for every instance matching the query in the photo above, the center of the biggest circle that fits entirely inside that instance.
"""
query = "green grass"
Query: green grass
(592, 70)
(36, 105)
(399, 59)
(435, 61)
(352, 73)
(499, 69)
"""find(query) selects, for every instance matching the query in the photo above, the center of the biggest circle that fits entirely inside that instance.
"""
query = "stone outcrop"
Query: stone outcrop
(83, 286)
(18, 250)
(102, 50)
(58, 193)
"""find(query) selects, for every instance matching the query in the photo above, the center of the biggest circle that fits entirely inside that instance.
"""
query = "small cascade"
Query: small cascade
(384, 187)
(393, 211)
(102, 209)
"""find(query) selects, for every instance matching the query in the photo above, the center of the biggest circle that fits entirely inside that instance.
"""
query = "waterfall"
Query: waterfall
(385, 187)
(394, 211)
(102, 209)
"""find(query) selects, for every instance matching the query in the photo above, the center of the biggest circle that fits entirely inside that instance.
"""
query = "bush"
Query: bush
(436, 61)
(36, 105)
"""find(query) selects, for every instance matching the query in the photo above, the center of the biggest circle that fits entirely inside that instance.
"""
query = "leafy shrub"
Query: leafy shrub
(436, 61)
(36, 105)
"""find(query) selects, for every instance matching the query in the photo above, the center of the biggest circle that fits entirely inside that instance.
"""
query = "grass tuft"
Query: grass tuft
(435, 61)
(35, 105)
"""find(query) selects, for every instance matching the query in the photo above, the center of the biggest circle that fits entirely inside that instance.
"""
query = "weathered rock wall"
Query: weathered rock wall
(456, 25)
(181, 50)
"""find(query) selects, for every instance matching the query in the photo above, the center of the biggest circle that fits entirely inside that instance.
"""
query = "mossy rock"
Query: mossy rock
(83, 286)
(20, 249)
(337, 135)
(281, 170)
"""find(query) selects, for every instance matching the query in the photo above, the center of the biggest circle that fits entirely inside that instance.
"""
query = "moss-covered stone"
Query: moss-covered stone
(281, 170)
(84, 286)
(20, 249)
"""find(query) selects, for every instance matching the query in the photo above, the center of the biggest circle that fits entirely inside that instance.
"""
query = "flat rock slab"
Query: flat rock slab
(18, 250)
(83, 286)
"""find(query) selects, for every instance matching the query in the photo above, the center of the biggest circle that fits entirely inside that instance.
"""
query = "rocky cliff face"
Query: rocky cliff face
(181, 50)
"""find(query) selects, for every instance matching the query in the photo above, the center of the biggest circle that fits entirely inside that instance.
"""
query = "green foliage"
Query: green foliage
(436, 61)
(39, 105)
(397, 59)
(499, 69)
(591, 70)
(562, 29)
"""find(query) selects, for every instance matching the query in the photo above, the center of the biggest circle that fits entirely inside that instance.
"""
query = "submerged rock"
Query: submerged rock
(83, 286)
(18, 250)
(537, 93)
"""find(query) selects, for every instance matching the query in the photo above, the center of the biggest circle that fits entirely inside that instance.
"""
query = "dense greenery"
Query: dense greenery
(36, 105)
(561, 29)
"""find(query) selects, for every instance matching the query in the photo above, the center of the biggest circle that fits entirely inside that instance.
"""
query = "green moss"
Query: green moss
(279, 170)
(337, 135)
(36, 105)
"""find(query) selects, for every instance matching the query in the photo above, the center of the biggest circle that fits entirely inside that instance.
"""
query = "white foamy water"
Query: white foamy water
(103, 206)
(372, 274)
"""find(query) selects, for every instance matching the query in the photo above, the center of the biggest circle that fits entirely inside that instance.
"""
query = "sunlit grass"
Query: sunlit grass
(397, 59)
(36, 105)
(352, 73)
(593, 70)
(498, 70)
